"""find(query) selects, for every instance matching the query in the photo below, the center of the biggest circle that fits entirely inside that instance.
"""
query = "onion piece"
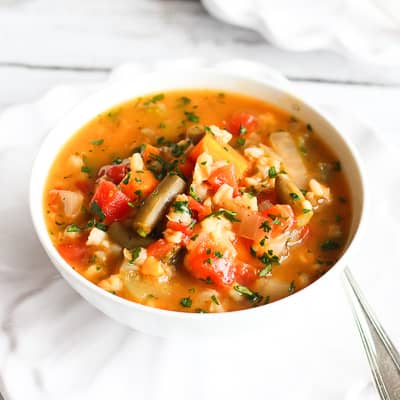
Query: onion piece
(249, 225)
(285, 146)
(71, 201)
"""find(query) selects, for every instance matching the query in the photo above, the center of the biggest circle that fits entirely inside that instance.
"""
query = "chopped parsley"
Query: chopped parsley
(97, 142)
(240, 141)
(215, 300)
(183, 101)
(306, 210)
(73, 228)
(292, 287)
(135, 253)
(309, 127)
(330, 245)
(194, 194)
(208, 281)
(96, 210)
(242, 130)
(86, 169)
(265, 226)
(138, 193)
(265, 271)
(245, 291)
(186, 302)
(191, 116)
(180, 206)
(272, 172)
(194, 237)
(229, 215)
(294, 196)
(218, 254)
(117, 161)
(162, 125)
(191, 290)
(154, 99)
(127, 178)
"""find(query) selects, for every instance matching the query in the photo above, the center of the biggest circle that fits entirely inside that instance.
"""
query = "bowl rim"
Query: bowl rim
(36, 207)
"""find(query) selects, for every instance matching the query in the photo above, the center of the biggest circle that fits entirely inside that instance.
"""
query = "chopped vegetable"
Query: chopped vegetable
(220, 153)
(157, 203)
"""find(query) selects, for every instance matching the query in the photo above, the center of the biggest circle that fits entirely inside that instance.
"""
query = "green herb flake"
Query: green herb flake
(272, 172)
(192, 117)
(330, 245)
(292, 287)
(162, 125)
(131, 204)
(183, 101)
(191, 290)
(240, 141)
(265, 226)
(73, 228)
(135, 253)
(294, 196)
(97, 142)
(215, 300)
(242, 130)
(306, 210)
(86, 169)
(265, 271)
(194, 237)
(218, 254)
(127, 178)
(194, 194)
(252, 296)
(229, 215)
(186, 302)
(117, 161)
(309, 127)
(208, 281)
(200, 311)
(96, 210)
(180, 206)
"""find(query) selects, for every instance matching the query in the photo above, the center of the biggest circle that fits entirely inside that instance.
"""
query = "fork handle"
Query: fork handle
(383, 357)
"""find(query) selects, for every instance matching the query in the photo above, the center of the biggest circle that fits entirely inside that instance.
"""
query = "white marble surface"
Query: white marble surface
(51, 42)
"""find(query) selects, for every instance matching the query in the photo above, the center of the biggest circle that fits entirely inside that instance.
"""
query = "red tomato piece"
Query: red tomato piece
(245, 273)
(160, 248)
(113, 203)
(176, 226)
(186, 167)
(241, 122)
(225, 174)
(115, 172)
(202, 263)
(84, 186)
(197, 209)
(73, 252)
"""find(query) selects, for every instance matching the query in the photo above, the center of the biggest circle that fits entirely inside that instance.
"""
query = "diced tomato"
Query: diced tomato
(280, 217)
(202, 263)
(84, 186)
(160, 248)
(73, 252)
(113, 203)
(269, 195)
(148, 151)
(187, 167)
(176, 226)
(115, 172)
(140, 184)
(245, 273)
(198, 210)
(225, 174)
(241, 123)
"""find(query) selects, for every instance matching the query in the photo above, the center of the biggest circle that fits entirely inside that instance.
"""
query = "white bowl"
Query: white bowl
(276, 318)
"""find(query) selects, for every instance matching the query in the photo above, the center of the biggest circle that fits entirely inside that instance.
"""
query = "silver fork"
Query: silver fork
(383, 358)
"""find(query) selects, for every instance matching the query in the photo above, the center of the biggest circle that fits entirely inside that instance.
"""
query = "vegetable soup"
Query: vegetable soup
(198, 201)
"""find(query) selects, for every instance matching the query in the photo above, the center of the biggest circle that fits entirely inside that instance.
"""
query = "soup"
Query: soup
(198, 201)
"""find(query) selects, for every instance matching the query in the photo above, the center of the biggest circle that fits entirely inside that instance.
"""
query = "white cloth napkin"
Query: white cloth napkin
(368, 30)
(54, 345)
